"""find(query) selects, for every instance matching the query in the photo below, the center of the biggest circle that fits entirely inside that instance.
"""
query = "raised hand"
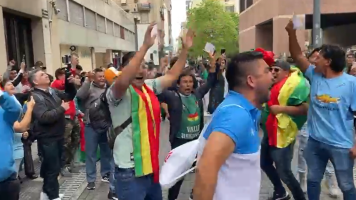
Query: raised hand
(187, 39)
(149, 39)
(290, 26)
(31, 103)
(65, 105)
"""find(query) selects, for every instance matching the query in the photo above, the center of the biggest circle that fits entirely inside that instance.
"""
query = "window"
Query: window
(90, 19)
(230, 8)
(100, 23)
(110, 27)
(122, 32)
(76, 13)
(242, 5)
(144, 18)
(249, 3)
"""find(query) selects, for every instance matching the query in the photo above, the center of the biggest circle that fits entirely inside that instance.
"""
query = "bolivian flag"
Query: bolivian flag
(193, 117)
(282, 129)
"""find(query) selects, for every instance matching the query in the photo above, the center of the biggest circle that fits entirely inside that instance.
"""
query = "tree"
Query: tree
(213, 24)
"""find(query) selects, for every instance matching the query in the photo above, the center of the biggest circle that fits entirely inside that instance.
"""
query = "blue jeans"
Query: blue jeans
(112, 179)
(276, 163)
(317, 155)
(129, 187)
(92, 141)
(302, 164)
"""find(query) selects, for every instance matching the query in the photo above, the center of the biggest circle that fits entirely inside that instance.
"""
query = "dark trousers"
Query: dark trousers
(173, 192)
(282, 171)
(51, 166)
(71, 141)
(10, 188)
(28, 160)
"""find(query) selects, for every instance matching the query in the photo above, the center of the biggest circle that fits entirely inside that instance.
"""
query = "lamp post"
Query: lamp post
(317, 32)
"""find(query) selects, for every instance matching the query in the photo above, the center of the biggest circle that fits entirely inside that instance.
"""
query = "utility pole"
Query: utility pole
(317, 32)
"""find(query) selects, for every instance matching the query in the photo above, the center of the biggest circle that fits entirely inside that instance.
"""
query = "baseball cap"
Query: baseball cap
(282, 64)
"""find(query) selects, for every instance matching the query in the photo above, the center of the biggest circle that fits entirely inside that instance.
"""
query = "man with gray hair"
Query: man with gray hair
(48, 124)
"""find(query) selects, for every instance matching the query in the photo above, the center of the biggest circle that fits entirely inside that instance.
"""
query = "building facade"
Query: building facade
(48, 30)
(145, 12)
(262, 23)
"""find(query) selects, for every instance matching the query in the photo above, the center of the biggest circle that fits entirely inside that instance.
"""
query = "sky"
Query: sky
(178, 16)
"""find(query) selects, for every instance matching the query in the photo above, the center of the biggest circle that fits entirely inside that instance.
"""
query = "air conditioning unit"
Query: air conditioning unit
(143, 7)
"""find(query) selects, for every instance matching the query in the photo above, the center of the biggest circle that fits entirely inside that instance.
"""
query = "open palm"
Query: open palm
(187, 40)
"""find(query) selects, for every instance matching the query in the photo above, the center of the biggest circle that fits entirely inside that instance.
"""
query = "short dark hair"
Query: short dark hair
(78, 67)
(14, 68)
(96, 70)
(31, 76)
(237, 70)
(336, 55)
(127, 57)
(59, 72)
(188, 73)
(312, 52)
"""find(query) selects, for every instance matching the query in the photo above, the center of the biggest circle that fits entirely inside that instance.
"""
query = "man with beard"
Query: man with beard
(330, 119)
(185, 108)
(228, 157)
(135, 114)
(282, 117)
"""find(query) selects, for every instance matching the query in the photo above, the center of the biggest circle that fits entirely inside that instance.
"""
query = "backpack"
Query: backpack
(99, 114)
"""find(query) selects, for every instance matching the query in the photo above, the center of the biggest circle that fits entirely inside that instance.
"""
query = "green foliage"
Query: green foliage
(213, 24)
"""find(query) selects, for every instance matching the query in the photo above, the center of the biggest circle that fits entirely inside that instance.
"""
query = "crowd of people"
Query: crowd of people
(118, 112)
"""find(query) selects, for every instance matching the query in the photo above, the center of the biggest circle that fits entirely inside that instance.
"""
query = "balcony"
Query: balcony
(144, 7)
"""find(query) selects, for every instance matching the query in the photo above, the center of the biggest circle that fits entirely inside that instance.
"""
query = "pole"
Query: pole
(317, 33)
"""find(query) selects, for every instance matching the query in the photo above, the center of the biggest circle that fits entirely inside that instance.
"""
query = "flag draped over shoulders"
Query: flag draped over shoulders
(291, 91)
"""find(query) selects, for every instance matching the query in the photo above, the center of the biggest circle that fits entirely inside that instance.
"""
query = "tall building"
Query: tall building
(145, 12)
(262, 23)
(47, 30)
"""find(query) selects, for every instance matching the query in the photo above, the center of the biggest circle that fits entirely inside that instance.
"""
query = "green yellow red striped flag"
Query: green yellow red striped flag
(145, 127)
(282, 129)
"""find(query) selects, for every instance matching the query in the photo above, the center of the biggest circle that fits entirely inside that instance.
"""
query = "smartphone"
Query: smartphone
(222, 51)
(23, 58)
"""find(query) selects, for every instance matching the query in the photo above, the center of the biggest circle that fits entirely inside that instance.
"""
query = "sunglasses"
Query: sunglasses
(274, 69)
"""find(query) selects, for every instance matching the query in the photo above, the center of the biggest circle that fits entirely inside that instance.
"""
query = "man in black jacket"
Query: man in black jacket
(48, 125)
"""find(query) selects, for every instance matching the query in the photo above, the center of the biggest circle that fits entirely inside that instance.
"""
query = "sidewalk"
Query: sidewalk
(70, 187)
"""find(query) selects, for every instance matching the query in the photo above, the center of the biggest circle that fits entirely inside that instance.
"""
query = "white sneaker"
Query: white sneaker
(44, 196)
(331, 181)
(303, 181)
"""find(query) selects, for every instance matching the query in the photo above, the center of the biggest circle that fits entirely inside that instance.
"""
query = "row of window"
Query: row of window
(82, 16)
(244, 4)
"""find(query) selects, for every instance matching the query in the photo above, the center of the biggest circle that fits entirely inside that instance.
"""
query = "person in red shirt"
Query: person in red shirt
(72, 129)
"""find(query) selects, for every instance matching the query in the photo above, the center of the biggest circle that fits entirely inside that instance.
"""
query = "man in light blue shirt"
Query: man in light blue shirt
(330, 118)
(229, 151)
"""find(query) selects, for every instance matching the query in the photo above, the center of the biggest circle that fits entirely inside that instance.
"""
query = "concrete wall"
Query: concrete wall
(340, 35)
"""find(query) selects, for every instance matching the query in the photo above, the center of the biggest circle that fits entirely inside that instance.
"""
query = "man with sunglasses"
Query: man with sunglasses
(278, 143)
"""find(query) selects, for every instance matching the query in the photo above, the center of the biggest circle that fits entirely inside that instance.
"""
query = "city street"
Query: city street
(74, 188)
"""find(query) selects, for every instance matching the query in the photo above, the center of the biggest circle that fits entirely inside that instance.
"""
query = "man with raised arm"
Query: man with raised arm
(330, 116)
(135, 114)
